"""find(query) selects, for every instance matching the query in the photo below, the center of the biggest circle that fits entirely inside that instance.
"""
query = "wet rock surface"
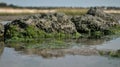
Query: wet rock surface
(111, 53)
(94, 11)
(57, 22)
(1, 47)
(95, 21)
(1, 30)
(90, 23)
(35, 25)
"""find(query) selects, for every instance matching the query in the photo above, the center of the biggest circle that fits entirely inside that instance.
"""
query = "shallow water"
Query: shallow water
(113, 44)
(81, 54)
(5, 22)
(11, 58)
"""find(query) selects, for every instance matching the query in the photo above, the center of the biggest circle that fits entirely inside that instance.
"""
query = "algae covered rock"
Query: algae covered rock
(115, 53)
(94, 11)
(40, 25)
(111, 53)
(95, 23)
(1, 30)
(1, 47)
(57, 22)
(88, 23)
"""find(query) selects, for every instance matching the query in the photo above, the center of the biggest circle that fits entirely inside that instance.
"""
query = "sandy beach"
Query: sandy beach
(12, 10)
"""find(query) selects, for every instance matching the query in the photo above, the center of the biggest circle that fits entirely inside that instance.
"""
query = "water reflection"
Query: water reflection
(1, 47)
(58, 43)
(11, 58)
(86, 41)
(49, 53)
(45, 48)
(48, 48)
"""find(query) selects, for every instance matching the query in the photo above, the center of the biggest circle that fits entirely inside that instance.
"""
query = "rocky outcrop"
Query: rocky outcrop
(40, 25)
(1, 47)
(112, 53)
(88, 23)
(94, 11)
(95, 22)
(1, 30)
(57, 22)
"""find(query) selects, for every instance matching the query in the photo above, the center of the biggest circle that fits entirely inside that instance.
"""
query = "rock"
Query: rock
(1, 30)
(56, 23)
(1, 47)
(111, 53)
(94, 11)
(88, 23)
(95, 22)
(115, 53)
(35, 26)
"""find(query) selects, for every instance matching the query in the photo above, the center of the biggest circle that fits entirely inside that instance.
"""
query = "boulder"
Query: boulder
(94, 11)
(1, 47)
(39, 25)
(57, 22)
(1, 30)
(95, 22)
(88, 23)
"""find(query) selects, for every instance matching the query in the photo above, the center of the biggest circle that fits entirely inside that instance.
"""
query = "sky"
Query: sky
(62, 3)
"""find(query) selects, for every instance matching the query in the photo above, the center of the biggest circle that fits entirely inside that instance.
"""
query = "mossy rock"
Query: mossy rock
(115, 53)
(1, 31)
(96, 23)
(48, 25)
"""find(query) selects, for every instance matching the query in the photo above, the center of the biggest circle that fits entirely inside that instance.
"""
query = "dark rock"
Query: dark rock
(115, 53)
(1, 30)
(88, 23)
(118, 51)
(1, 47)
(57, 22)
(95, 21)
(111, 53)
(33, 26)
(94, 11)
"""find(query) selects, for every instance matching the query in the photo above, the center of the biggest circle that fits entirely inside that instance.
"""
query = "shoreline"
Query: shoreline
(10, 14)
